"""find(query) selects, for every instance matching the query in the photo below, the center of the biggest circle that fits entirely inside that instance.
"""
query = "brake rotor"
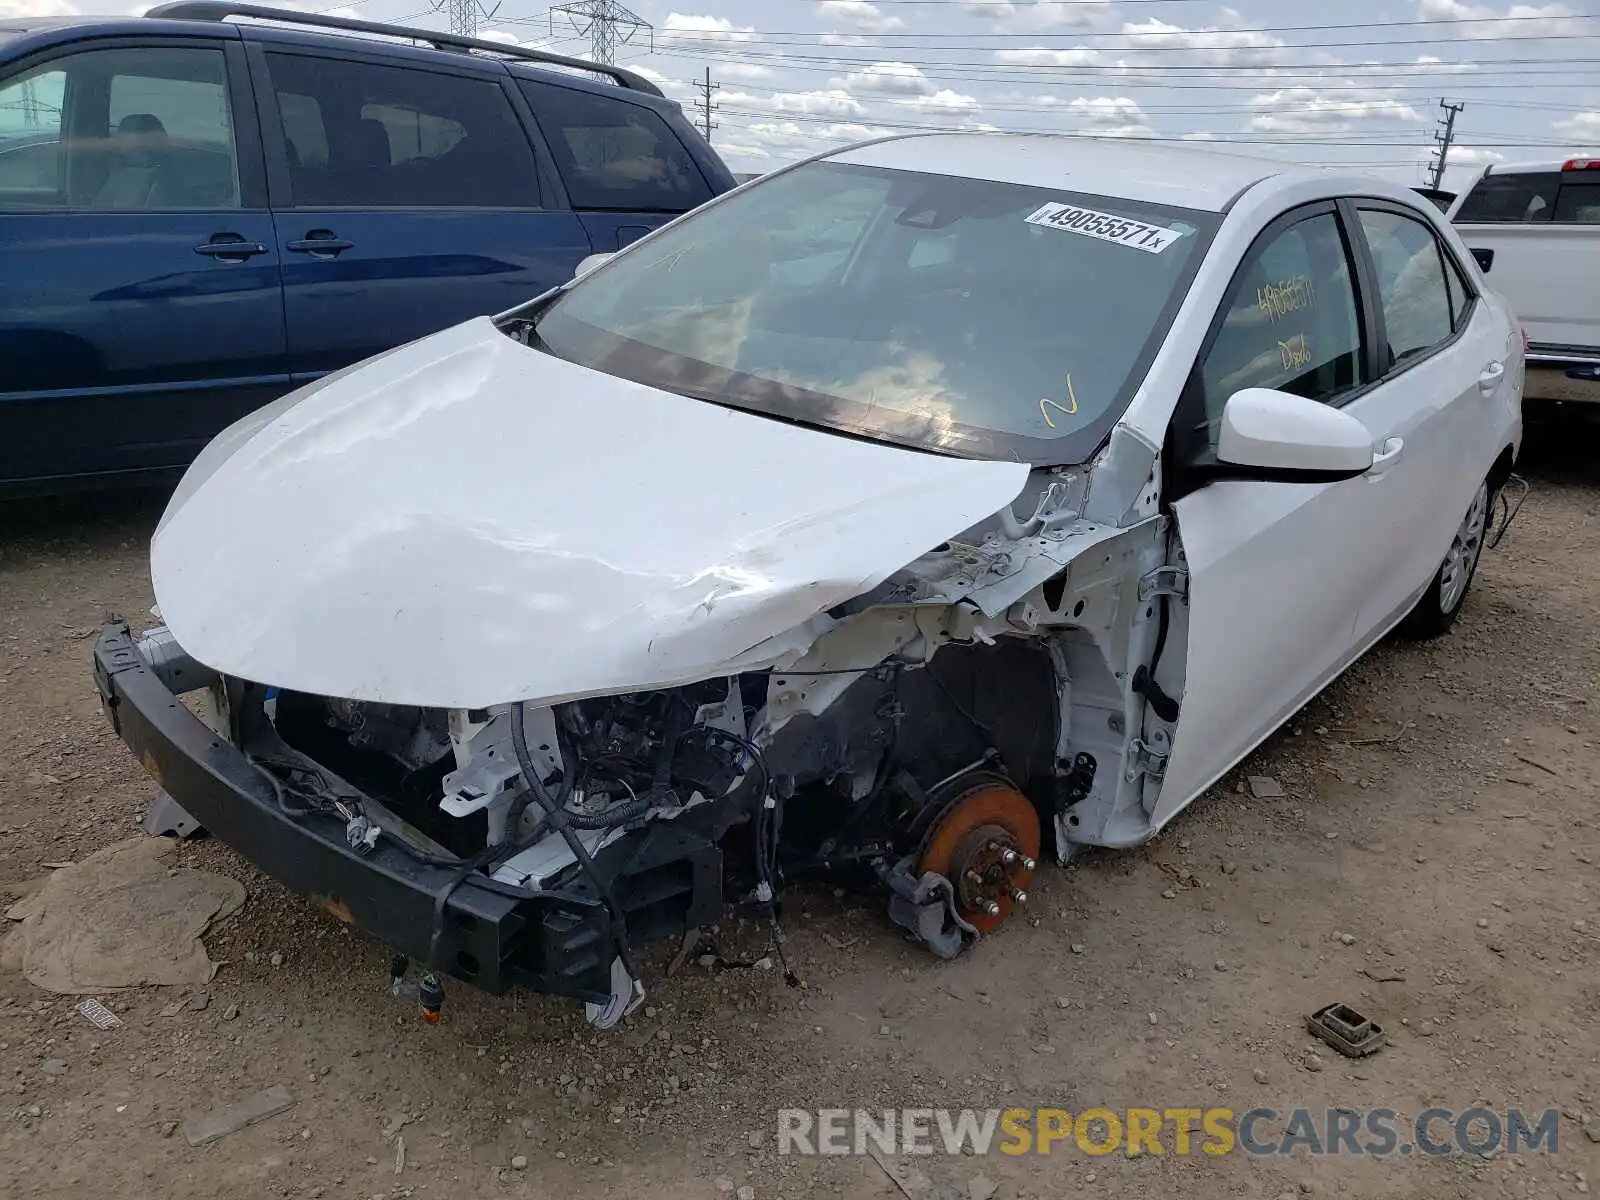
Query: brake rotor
(985, 841)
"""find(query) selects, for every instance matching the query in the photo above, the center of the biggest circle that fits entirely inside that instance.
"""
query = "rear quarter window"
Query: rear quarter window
(1579, 201)
(614, 154)
(1510, 199)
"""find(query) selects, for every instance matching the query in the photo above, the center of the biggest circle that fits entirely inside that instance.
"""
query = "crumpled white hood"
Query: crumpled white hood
(465, 522)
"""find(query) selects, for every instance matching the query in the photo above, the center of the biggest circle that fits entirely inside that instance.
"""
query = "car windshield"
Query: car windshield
(957, 315)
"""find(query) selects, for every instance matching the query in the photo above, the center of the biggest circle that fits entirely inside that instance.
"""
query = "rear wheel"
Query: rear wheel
(1441, 604)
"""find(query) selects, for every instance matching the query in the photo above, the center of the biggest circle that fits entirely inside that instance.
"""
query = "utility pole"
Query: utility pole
(1444, 136)
(600, 21)
(706, 106)
(464, 15)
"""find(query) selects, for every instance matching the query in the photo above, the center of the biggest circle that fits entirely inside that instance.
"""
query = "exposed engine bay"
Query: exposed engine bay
(920, 744)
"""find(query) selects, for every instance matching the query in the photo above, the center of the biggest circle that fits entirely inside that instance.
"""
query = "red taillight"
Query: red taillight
(1527, 342)
(1581, 164)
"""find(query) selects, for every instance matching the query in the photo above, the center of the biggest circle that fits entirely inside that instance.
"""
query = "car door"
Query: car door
(625, 169)
(1441, 363)
(140, 304)
(1277, 571)
(406, 196)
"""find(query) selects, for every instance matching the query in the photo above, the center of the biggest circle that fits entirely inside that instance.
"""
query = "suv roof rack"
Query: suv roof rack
(219, 10)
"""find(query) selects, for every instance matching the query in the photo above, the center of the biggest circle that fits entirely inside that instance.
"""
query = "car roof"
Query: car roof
(1538, 167)
(317, 28)
(1130, 168)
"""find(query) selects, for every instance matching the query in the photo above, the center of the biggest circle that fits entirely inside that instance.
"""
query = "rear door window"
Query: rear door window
(1411, 283)
(1511, 199)
(1578, 202)
(364, 135)
(615, 155)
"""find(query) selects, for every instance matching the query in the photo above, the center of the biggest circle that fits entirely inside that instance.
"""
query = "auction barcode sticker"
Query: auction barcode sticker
(1108, 227)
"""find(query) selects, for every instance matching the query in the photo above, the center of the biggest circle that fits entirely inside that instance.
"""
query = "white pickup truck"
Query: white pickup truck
(1535, 228)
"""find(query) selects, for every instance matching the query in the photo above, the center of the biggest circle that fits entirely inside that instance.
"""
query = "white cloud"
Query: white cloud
(683, 27)
(789, 140)
(1121, 131)
(1581, 127)
(832, 103)
(1306, 110)
(510, 39)
(886, 78)
(1110, 116)
(1041, 56)
(1219, 45)
(943, 103)
(1522, 20)
(750, 72)
(1107, 110)
(1438, 66)
(1473, 156)
(1041, 14)
(1153, 45)
(36, 8)
(671, 85)
(866, 17)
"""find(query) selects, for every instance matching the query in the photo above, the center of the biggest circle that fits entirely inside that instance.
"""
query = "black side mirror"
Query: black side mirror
(1484, 258)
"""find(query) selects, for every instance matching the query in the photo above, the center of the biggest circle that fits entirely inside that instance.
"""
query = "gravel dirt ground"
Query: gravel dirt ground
(1435, 861)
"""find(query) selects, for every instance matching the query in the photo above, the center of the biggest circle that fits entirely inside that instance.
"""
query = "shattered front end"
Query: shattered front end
(519, 729)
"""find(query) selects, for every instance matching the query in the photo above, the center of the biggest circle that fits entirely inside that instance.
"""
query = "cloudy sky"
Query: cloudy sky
(1320, 81)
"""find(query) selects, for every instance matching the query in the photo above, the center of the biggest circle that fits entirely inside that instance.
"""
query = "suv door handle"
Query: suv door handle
(229, 247)
(319, 243)
(1489, 378)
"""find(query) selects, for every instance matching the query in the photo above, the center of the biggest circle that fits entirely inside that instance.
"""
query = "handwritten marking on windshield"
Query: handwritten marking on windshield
(1070, 408)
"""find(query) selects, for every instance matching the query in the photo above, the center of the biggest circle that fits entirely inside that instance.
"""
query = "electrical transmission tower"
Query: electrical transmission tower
(464, 15)
(30, 105)
(600, 21)
(1444, 136)
(705, 104)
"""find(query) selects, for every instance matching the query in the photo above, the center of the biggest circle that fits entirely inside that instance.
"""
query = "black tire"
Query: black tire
(1436, 612)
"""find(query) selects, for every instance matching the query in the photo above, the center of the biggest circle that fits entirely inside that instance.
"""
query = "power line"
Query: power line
(1244, 74)
(705, 105)
(600, 21)
(1178, 32)
(1352, 141)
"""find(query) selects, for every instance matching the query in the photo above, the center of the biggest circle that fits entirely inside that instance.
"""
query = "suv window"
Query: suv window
(363, 135)
(1292, 323)
(614, 154)
(1510, 199)
(118, 130)
(1579, 202)
(1411, 283)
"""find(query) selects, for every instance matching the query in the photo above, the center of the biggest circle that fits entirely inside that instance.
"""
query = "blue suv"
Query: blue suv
(199, 214)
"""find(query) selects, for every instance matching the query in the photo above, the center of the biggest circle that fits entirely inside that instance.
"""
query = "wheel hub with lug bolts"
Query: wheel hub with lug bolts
(985, 841)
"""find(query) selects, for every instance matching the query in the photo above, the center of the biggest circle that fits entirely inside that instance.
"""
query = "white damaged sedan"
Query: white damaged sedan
(907, 515)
